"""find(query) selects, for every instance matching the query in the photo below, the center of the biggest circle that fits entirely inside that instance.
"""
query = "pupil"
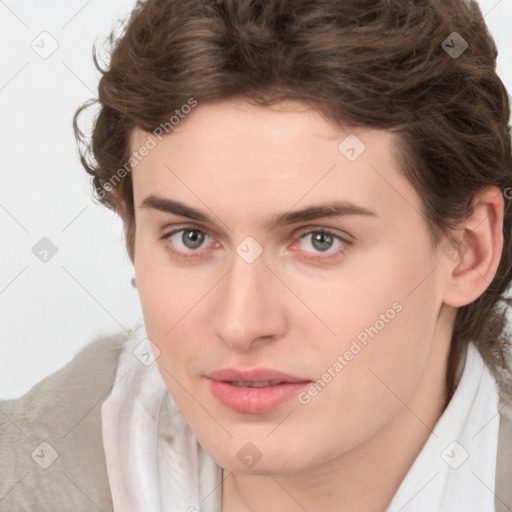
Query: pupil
(192, 239)
(322, 241)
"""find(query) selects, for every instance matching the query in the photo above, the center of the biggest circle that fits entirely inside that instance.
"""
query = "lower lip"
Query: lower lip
(255, 400)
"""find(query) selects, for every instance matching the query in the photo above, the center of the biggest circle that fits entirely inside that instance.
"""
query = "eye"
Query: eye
(192, 242)
(322, 244)
(320, 240)
(185, 240)
(191, 238)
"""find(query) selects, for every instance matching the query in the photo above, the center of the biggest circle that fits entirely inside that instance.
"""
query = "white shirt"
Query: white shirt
(455, 470)
(155, 463)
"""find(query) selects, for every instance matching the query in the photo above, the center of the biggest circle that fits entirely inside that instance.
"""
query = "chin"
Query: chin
(256, 456)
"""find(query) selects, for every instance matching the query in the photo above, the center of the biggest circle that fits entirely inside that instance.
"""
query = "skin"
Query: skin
(295, 308)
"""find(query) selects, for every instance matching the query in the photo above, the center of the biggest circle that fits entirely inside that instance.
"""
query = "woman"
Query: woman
(313, 200)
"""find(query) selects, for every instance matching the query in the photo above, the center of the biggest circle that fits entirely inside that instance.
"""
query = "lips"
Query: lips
(263, 384)
(255, 391)
(255, 375)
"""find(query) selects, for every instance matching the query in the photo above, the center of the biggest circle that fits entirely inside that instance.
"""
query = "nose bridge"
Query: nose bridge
(247, 308)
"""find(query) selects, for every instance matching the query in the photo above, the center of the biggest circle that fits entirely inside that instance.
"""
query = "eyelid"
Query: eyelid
(341, 235)
(304, 230)
(180, 227)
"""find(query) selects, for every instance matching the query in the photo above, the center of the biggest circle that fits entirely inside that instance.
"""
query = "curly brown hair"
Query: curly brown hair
(383, 64)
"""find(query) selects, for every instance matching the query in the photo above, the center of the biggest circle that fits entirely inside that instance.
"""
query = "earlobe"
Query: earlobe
(479, 249)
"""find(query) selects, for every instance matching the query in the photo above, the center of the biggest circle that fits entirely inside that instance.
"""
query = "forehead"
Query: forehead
(240, 154)
(211, 123)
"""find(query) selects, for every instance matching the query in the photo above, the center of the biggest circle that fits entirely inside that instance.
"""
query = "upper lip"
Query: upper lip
(254, 375)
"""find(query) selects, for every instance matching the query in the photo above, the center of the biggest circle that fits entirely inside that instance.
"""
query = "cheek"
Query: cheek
(174, 305)
(372, 285)
(383, 317)
(171, 312)
(365, 375)
(166, 292)
(169, 307)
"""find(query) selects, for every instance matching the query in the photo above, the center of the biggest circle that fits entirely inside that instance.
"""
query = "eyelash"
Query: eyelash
(201, 253)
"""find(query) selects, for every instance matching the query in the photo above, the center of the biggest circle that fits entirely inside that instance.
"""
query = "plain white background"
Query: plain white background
(50, 310)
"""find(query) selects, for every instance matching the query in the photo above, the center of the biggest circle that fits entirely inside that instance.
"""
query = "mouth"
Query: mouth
(255, 391)
(248, 384)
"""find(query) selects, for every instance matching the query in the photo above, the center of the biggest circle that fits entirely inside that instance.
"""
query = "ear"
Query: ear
(472, 264)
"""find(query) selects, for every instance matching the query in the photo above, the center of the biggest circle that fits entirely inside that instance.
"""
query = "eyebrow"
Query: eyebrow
(310, 213)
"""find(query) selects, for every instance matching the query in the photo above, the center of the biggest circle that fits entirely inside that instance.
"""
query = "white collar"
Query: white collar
(455, 469)
(153, 465)
(156, 466)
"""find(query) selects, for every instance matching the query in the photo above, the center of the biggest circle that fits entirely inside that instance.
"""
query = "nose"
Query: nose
(249, 309)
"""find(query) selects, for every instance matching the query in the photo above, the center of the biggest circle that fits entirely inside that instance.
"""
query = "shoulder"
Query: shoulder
(50, 438)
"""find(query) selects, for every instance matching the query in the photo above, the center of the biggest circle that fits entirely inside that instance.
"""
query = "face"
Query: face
(289, 281)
